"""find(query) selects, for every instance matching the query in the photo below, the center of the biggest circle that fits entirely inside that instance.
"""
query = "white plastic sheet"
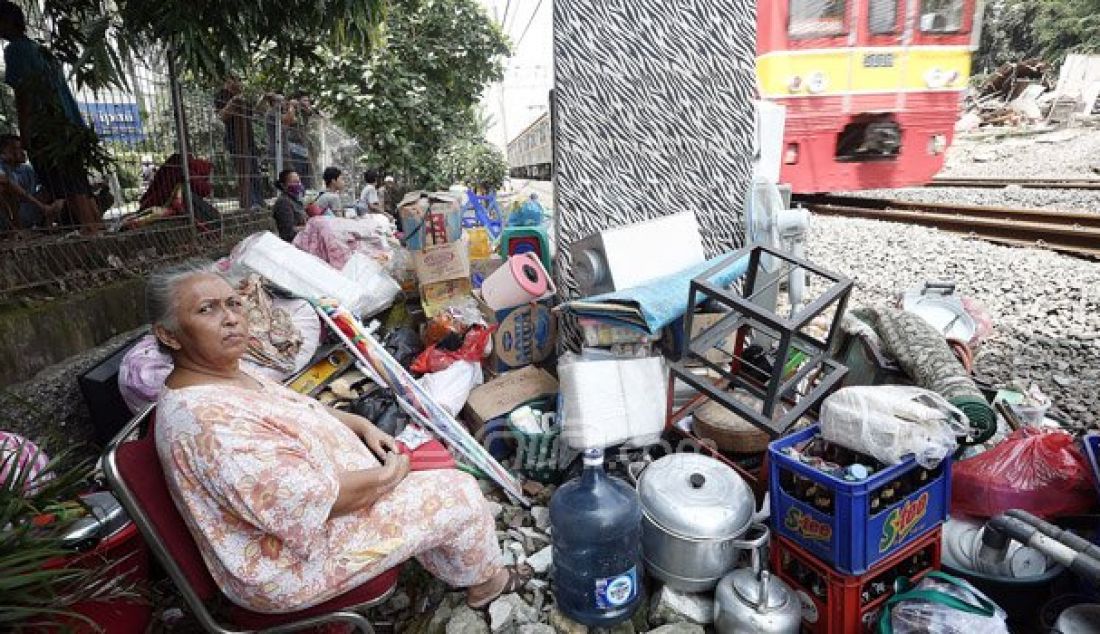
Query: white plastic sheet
(891, 421)
(297, 272)
(608, 402)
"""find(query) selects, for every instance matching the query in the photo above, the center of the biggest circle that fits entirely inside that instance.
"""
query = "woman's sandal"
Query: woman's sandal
(518, 576)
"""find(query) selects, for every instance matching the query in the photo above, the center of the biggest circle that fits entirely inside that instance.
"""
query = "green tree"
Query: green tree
(1067, 26)
(1008, 34)
(1050, 29)
(412, 96)
(475, 162)
(97, 38)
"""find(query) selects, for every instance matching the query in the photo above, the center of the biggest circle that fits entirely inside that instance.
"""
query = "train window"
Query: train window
(882, 17)
(817, 18)
(941, 16)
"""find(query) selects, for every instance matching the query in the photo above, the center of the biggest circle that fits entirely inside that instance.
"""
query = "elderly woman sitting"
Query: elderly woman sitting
(292, 503)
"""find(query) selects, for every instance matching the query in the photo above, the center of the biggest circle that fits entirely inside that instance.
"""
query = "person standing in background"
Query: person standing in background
(237, 113)
(389, 196)
(19, 187)
(289, 212)
(50, 125)
(331, 202)
(296, 144)
(369, 200)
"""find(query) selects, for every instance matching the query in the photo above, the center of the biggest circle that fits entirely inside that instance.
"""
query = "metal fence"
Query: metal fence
(237, 148)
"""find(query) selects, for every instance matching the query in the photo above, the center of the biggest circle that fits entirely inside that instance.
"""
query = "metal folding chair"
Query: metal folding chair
(134, 473)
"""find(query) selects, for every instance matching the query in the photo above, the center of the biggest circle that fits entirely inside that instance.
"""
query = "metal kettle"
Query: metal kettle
(751, 600)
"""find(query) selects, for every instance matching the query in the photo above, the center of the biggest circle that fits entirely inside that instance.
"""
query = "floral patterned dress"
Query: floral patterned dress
(254, 474)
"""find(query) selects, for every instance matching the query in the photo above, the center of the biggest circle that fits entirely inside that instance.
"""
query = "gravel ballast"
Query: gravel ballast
(1045, 307)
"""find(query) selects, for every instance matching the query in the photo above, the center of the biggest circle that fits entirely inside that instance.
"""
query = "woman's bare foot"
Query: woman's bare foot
(506, 580)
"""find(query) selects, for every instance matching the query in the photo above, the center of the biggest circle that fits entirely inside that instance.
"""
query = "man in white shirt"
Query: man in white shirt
(369, 202)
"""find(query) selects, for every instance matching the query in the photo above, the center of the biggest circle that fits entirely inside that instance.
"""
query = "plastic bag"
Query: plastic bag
(403, 344)
(1040, 471)
(451, 387)
(21, 461)
(296, 271)
(943, 604)
(380, 407)
(474, 347)
(529, 213)
(379, 287)
(892, 421)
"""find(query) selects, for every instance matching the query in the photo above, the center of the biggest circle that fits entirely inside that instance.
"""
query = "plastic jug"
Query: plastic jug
(597, 529)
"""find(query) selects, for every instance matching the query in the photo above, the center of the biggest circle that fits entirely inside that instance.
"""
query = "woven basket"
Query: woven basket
(730, 432)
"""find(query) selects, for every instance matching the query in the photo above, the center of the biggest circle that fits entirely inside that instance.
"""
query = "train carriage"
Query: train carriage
(872, 88)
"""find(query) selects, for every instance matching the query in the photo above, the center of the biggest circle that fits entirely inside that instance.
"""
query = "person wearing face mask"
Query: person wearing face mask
(289, 210)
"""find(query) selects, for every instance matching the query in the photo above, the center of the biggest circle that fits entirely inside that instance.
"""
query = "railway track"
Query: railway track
(1026, 183)
(1072, 233)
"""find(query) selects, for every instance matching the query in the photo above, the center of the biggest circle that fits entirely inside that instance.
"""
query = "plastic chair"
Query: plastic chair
(134, 473)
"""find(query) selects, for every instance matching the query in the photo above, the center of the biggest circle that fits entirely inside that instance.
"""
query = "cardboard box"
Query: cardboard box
(700, 323)
(443, 262)
(508, 391)
(436, 296)
(413, 208)
(525, 334)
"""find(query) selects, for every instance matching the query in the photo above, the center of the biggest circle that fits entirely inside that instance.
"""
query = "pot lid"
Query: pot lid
(747, 587)
(697, 497)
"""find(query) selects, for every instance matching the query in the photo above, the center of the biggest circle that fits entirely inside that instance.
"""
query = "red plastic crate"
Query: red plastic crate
(834, 603)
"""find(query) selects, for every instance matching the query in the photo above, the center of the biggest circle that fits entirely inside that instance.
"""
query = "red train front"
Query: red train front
(872, 88)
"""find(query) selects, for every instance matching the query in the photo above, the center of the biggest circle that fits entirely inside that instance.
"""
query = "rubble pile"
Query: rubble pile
(1026, 93)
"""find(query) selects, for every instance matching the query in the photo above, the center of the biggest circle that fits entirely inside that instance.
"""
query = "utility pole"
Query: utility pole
(503, 116)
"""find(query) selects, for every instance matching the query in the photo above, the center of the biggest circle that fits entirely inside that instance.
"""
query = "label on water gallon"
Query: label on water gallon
(617, 591)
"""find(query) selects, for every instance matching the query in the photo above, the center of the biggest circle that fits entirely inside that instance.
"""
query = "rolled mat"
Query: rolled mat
(925, 356)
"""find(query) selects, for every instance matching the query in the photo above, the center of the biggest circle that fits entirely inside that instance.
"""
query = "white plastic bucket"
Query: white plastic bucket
(522, 279)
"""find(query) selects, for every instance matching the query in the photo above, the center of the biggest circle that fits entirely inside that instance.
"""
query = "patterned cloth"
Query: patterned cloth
(334, 240)
(274, 340)
(925, 356)
(254, 474)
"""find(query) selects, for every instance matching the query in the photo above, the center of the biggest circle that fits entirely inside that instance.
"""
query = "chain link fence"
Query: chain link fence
(238, 142)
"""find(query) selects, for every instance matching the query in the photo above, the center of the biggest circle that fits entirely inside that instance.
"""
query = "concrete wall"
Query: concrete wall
(38, 336)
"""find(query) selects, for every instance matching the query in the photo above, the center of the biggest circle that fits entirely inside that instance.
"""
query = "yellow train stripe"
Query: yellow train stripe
(863, 70)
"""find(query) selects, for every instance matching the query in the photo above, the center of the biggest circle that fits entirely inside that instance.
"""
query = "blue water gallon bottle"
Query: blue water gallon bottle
(597, 533)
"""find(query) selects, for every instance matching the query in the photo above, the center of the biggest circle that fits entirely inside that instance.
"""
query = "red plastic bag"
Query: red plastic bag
(435, 359)
(1043, 472)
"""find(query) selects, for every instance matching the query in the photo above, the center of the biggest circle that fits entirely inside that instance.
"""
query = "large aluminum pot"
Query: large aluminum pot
(694, 511)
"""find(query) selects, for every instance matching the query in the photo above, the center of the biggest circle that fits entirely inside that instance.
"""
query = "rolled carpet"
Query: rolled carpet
(927, 358)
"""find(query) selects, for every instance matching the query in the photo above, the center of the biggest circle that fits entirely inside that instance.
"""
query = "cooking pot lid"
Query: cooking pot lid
(694, 496)
(747, 586)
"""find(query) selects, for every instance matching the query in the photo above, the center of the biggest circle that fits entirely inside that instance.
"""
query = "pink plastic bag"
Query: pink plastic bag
(21, 459)
(1040, 471)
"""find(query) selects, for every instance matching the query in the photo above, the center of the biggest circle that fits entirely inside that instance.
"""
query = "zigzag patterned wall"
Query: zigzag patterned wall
(652, 116)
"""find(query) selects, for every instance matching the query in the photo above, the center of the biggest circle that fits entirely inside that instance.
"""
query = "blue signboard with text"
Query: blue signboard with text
(120, 122)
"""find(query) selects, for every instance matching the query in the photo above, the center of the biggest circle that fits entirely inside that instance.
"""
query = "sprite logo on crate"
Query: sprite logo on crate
(902, 521)
(805, 525)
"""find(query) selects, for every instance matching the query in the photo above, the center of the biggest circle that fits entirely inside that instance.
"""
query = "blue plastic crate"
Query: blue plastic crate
(850, 539)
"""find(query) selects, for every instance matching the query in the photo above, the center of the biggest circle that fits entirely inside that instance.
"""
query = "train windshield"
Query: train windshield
(882, 17)
(817, 18)
(941, 16)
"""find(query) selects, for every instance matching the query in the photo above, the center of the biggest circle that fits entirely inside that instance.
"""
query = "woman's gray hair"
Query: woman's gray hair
(160, 290)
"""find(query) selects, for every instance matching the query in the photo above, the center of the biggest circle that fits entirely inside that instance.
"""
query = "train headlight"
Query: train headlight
(795, 84)
(817, 82)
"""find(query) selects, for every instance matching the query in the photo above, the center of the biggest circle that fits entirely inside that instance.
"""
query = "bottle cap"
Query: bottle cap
(593, 457)
(858, 471)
